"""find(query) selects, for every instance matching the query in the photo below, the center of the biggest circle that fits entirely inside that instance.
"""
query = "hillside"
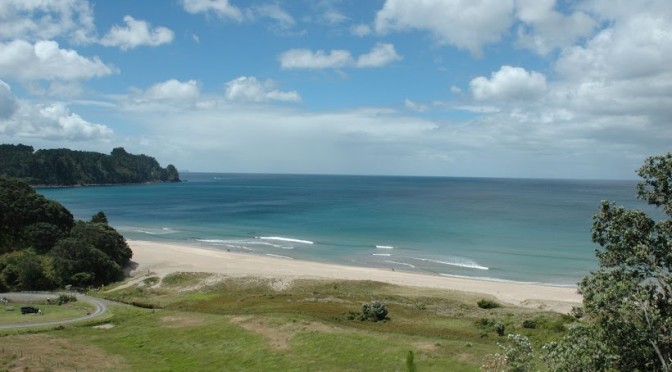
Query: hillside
(64, 167)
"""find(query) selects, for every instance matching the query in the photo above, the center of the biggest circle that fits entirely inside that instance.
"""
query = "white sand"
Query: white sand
(163, 258)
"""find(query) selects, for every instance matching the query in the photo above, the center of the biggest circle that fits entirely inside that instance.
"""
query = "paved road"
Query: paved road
(101, 308)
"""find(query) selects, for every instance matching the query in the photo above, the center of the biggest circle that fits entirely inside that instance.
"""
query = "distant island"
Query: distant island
(64, 167)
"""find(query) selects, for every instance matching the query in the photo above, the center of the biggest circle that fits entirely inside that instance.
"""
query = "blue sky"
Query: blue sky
(494, 88)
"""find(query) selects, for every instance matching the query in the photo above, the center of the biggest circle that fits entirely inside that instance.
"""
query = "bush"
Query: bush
(531, 324)
(64, 299)
(488, 304)
(500, 329)
(374, 311)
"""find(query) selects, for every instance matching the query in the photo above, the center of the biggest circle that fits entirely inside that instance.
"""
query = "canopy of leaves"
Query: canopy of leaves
(628, 300)
(42, 247)
(65, 167)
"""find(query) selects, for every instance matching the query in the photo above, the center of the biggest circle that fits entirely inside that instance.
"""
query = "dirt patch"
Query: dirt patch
(104, 326)
(279, 335)
(425, 346)
(49, 353)
(181, 321)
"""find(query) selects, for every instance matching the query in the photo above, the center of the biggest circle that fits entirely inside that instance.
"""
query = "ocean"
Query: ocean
(521, 230)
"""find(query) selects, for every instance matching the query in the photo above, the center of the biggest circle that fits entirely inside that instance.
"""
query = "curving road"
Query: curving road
(101, 308)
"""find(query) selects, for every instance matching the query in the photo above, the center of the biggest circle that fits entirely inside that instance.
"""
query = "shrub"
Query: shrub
(488, 304)
(64, 299)
(531, 324)
(374, 311)
(500, 329)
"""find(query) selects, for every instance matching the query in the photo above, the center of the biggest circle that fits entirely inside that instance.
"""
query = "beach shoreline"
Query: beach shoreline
(164, 258)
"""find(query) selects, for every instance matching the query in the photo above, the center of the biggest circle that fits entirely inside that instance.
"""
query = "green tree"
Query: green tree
(628, 300)
(78, 262)
(26, 270)
(99, 217)
(105, 239)
(26, 217)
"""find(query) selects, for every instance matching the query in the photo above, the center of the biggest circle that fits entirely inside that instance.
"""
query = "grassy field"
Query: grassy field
(11, 314)
(206, 322)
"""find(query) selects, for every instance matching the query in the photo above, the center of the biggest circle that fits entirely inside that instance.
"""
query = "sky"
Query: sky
(462, 88)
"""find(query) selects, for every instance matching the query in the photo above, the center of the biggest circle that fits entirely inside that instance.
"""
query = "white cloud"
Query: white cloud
(24, 61)
(275, 12)
(53, 122)
(8, 103)
(380, 55)
(249, 89)
(466, 24)
(509, 83)
(220, 8)
(414, 106)
(333, 16)
(545, 28)
(46, 19)
(304, 58)
(173, 90)
(361, 30)
(136, 33)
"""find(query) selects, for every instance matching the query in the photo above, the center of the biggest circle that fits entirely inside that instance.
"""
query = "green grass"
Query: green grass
(49, 312)
(245, 324)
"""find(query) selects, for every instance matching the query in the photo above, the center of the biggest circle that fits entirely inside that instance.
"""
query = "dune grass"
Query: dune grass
(204, 322)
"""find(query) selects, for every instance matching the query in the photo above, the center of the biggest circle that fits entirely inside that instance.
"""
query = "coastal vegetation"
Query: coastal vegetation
(64, 167)
(199, 321)
(42, 246)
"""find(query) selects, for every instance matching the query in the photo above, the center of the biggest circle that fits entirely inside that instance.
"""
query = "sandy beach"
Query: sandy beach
(165, 258)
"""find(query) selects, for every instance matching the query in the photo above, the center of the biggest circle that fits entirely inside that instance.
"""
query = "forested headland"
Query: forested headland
(64, 167)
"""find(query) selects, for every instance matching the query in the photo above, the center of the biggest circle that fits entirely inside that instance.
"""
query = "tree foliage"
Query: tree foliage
(628, 300)
(42, 247)
(68, 167)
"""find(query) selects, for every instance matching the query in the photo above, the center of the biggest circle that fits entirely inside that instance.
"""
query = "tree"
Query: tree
(26, 217)
(78, 262)
(105, 239)
(99, 217)
(628, 300)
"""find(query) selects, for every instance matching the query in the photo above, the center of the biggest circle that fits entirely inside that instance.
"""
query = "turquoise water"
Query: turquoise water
(504, 229)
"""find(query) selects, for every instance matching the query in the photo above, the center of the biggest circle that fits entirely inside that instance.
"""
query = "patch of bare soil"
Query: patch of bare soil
(41, 352)
(279, 335)
(181, 321)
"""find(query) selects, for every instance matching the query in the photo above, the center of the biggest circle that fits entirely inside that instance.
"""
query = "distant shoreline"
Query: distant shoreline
(165, 258)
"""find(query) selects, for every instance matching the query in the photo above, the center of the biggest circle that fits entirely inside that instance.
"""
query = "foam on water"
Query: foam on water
(282, 239)
(384, 247)
(279, 256)
(401, 263)
(382, 254)
(461, 263)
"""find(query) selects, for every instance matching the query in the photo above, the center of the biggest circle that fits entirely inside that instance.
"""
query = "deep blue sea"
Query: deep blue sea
(503, 229)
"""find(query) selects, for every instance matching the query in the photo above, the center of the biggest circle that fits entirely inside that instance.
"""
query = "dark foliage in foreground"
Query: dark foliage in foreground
(42, 247)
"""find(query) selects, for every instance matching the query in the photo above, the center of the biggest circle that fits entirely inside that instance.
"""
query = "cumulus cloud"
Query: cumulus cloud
(7, 101)
(46, 19)
(465, 24)
(380, 55)
(172, 90)
(220, 8)
(136, 33)
(249, 89)
(509, 83)
(544, 28)
(52, 122)
(45, 60)
(414, 106)
(306, 59)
